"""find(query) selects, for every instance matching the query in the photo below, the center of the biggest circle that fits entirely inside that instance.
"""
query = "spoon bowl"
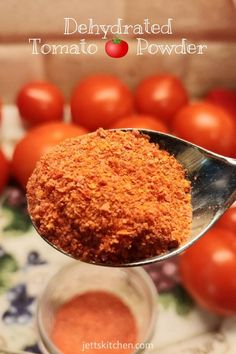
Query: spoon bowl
(213, 183)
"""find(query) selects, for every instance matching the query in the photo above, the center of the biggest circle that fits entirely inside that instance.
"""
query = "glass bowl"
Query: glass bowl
(132, 285)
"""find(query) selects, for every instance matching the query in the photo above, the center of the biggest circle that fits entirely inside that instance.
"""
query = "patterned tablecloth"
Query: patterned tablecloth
(27, 262)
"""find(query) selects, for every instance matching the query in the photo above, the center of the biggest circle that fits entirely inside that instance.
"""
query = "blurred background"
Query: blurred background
(199, 21)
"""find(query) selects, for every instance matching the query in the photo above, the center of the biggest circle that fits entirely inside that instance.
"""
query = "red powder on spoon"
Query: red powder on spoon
(95, 322)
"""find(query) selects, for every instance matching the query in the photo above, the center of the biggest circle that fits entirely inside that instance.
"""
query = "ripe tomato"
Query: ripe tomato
(40, 102)
(37, 142)
(224, 98)
(100, 100)
(208, 271)
(228, 220)
(116, 48)
(4, 171)
(161, 96)
(141, 121)
(206, 125)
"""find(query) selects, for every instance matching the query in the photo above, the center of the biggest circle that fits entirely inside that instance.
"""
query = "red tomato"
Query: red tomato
(100, 100)
(40, 102)
(161, 96)
(116, 48)
(224, 98)
(141, 121)
(228, 220)
(37, 142)
(208, 271)
(206, 125)
(4, 171)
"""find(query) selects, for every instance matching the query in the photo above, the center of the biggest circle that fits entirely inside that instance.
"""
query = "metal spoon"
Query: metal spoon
(213, 181)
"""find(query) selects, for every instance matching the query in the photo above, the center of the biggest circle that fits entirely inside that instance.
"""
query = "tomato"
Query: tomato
(224, 98)
(161, 96)
(116, 48)
(40, 102)
(141, 121)
(100, 100)
(37, 142)
(206, 125)
(228, 220)
(208, 271)
(4, 171)
(0, 110)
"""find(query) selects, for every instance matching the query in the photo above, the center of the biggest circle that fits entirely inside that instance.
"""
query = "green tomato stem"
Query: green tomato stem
(116, 40)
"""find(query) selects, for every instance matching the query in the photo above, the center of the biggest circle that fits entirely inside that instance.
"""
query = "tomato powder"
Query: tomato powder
(90, 320)
(110, 197)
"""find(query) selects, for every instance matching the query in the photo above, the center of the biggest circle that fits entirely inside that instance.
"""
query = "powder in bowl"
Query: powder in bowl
(95, 322)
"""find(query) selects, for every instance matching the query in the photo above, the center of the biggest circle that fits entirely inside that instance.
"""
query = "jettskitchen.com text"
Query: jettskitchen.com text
(117, 345)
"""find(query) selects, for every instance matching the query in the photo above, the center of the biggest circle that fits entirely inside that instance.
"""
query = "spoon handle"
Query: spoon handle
(231, 161)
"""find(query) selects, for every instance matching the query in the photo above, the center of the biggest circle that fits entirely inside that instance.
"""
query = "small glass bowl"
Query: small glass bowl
(132, 285)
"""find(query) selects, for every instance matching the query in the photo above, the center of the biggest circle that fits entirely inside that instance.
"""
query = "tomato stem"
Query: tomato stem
(116, 40)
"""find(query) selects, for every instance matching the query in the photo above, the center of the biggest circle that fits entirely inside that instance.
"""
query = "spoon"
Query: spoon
(213, 182)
